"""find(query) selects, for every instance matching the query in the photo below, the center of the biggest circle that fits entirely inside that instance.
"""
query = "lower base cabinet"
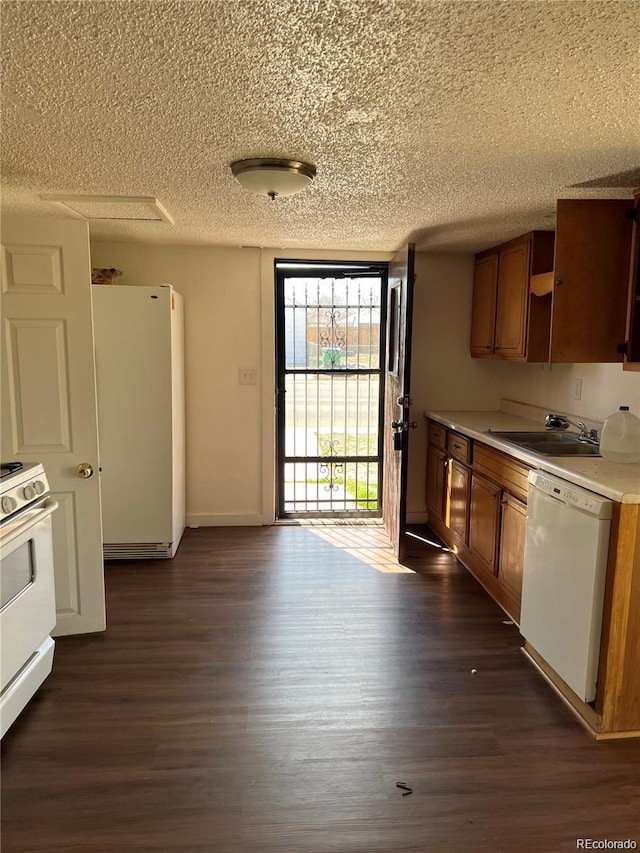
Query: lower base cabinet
(483, 523)
(480, 514)
(513, 528)
(458, 500)
(479, 510)
(436, 482)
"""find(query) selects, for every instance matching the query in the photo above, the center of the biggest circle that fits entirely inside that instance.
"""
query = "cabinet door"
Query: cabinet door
(593, 242)
(436, 482)
(512, 534)
(458, 499)
(513, 300)
(483, 312)
(483, 521)
(632, 358)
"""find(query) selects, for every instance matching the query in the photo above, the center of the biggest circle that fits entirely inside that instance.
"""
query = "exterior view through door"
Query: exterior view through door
(330, 321)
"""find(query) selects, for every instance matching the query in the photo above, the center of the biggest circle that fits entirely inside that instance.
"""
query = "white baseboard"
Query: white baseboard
(221, 519)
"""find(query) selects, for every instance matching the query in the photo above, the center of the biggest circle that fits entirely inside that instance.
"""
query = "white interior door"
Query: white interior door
(49, 397)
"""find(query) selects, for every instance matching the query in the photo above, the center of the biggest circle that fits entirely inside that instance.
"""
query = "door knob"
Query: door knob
(84, 471)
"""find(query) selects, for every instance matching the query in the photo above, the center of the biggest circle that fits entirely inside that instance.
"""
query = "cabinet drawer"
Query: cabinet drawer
(459, 447)
(437, 435)
(502, 469)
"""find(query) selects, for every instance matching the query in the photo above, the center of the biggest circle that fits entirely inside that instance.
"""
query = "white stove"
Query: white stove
(20, 484)
(27, 592)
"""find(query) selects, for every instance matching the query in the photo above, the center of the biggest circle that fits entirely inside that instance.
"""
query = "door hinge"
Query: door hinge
(404, 401)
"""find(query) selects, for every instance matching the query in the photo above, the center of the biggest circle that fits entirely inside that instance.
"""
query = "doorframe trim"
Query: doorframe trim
(268, 258)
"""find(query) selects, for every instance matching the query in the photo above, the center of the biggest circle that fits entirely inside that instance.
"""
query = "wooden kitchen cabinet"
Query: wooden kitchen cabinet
(448, 482)
(512, 299)
(459, 486)
(590, 280)
(631, 345)
(519, 327)
(436, 482)
(503, 469)
(568, 304)
(483, 522)
(476, 501)
(483, 312)
(513, 527)
(486, 490)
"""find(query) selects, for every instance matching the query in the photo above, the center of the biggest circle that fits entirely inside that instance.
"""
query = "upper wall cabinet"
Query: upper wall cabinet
(483, 313)
(567, 306)
(505, 319)
(631, 346)
(591, 275)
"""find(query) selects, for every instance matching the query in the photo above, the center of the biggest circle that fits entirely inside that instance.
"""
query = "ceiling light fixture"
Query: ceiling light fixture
(273, 177)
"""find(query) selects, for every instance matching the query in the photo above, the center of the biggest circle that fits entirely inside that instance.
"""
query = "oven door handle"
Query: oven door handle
(32, 515)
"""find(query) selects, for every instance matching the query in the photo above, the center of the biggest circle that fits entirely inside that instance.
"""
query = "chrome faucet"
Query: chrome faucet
(559, 422)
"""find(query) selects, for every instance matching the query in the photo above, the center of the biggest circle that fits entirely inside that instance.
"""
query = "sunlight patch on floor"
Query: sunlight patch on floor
(366, 542)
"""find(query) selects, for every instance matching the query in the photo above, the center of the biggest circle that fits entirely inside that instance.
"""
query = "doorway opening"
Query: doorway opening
(330, 350)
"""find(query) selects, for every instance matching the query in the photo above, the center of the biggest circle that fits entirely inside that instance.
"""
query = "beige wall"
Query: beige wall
(443, 375)
(229, 303)
(229, 322)
(222, 304)
(604, 387)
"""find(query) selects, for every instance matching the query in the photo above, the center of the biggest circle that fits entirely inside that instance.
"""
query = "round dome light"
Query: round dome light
(273, 177)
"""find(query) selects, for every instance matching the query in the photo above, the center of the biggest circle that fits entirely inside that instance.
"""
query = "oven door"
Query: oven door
(27, 592)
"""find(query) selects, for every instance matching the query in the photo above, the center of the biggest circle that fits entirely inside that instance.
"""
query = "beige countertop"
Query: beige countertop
(613, 480)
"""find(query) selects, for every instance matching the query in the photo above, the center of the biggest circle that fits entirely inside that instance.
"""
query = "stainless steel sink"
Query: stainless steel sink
(566, 449)
(542, 437)
(549, 443)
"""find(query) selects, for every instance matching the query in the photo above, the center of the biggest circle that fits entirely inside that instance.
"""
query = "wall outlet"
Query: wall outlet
(577, 389)
(248, 376)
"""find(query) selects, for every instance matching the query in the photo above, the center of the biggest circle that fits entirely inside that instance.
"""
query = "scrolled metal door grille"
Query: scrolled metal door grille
(330, 326)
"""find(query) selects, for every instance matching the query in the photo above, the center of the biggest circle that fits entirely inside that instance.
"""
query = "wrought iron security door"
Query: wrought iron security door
(330, 325)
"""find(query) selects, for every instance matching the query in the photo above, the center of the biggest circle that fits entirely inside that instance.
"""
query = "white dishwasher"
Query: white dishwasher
(565, 566)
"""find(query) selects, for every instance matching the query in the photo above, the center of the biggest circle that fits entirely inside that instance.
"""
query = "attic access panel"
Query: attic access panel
(113, 207)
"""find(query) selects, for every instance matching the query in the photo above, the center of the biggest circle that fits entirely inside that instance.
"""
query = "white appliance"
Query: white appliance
(139, 345)
(27, 592)
(565, 566)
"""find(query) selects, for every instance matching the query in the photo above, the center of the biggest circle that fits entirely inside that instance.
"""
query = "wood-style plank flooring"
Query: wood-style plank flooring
(264, 691)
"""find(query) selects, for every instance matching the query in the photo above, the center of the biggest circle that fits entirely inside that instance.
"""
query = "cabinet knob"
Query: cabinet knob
(558, 282)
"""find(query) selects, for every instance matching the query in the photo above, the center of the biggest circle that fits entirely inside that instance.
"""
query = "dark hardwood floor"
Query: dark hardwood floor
(264, 691)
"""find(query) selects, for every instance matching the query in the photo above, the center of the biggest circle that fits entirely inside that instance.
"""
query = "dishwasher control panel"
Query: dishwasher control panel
(568, 493)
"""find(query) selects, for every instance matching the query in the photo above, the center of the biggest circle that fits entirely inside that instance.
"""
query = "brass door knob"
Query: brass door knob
(84, 471)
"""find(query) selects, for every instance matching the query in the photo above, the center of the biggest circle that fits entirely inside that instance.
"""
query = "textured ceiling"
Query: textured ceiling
(455, 124)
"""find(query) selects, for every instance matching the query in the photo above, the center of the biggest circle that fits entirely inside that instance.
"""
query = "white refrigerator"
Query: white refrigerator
(139, 348)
